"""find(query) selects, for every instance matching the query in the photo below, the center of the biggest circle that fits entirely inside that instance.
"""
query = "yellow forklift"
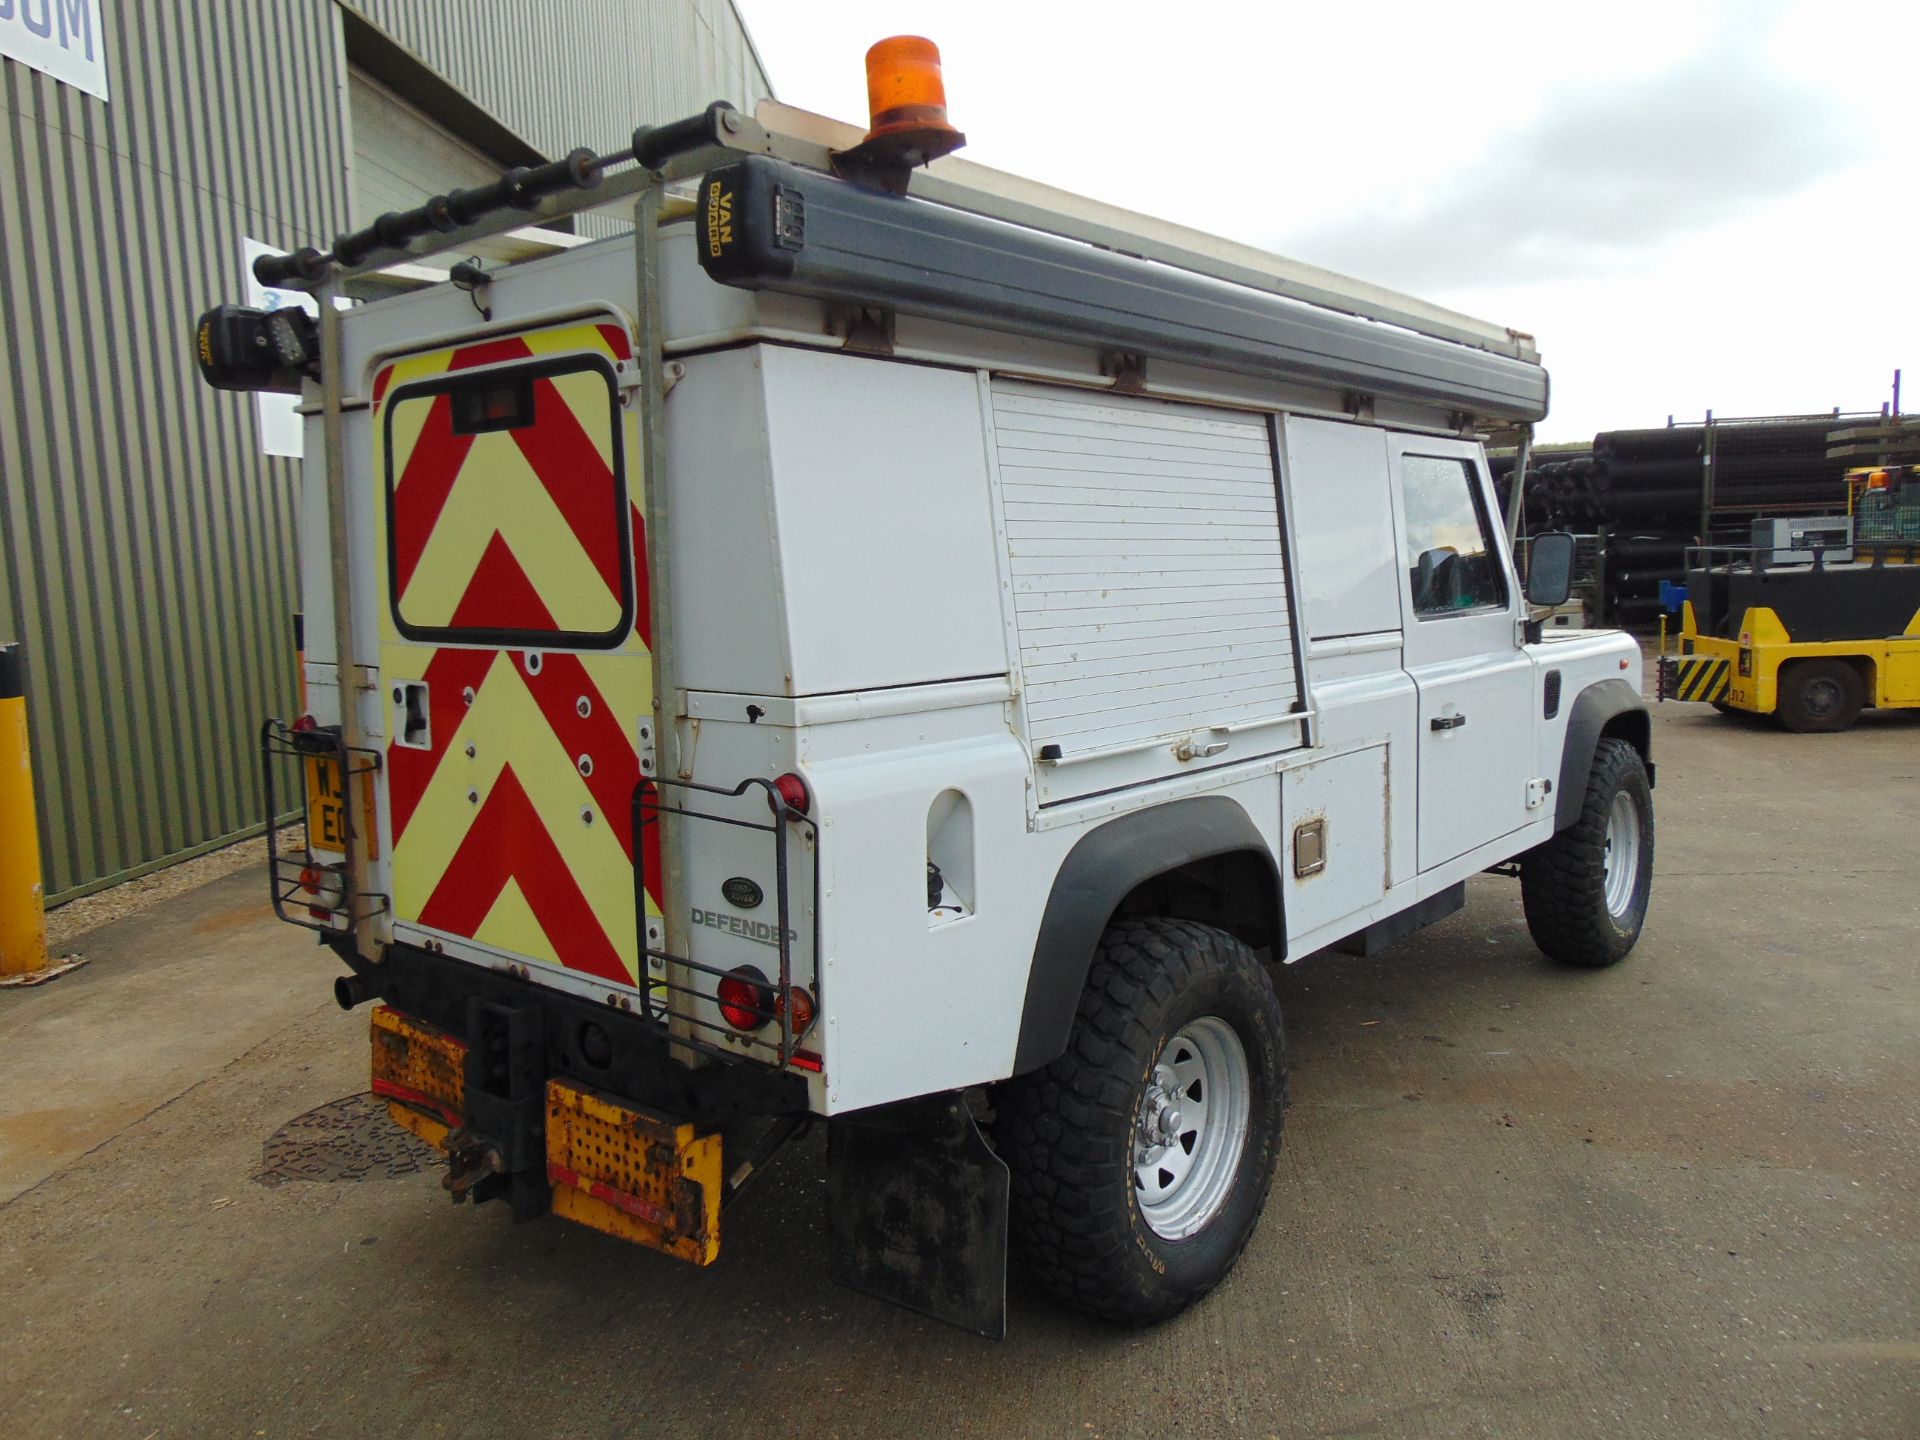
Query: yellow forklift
(1812, 622)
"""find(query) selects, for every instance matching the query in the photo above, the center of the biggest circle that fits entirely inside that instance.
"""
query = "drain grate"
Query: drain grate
(348, 1139)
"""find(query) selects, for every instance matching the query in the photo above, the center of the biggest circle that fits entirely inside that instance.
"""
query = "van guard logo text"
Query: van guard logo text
(758, 931)
(719, 219)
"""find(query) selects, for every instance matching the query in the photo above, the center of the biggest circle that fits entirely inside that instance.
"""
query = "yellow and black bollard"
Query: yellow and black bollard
(23, 907)
(23, 910)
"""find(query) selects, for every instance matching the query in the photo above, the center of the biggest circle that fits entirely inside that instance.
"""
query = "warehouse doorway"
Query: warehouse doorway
(413, 134)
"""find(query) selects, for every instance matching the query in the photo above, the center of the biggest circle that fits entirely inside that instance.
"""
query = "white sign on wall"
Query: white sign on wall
(64, 38)
(280, 427)
(282, 430)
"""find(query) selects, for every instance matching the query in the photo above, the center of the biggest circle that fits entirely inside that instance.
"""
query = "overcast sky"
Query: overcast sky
(1690, 205)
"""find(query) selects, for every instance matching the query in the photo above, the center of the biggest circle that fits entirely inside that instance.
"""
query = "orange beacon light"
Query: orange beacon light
(907, 106)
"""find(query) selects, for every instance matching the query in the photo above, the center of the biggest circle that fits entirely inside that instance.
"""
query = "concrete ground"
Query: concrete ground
(1674, 1198)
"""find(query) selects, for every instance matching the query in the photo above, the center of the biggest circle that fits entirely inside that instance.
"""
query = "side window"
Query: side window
(1455, 564)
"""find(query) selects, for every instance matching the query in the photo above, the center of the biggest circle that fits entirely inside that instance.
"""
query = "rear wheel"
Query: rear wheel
(1586, 890)
(1818, 697)
(1142, 1157)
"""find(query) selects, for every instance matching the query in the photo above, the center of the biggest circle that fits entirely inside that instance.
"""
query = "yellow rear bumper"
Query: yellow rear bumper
(633, 1173)
(420, 1071)
(1698, 677)
(629, 1171)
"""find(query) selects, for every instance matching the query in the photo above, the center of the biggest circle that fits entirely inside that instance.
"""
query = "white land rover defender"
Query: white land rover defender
(901, 647)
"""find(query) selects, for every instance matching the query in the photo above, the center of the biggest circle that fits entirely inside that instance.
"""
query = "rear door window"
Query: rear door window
(507, 507)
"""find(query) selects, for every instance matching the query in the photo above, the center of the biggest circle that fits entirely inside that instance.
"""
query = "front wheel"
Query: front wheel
(1586, 890)
(1819, 697)
(1142, 1157)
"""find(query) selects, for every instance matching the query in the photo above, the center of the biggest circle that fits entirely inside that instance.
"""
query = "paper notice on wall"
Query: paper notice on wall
(64, 38)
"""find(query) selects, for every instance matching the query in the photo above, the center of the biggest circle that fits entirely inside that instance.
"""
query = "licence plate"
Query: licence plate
(327, 808)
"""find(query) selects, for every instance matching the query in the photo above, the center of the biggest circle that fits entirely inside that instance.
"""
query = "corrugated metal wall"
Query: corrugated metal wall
(524, 64)
(146, 546)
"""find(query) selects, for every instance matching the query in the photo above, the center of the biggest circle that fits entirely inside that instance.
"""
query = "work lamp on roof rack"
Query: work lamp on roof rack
(241, 348)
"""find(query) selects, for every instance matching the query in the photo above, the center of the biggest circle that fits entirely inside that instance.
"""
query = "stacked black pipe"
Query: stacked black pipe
(1644, 488)
(1651, 478)
(1560, 489)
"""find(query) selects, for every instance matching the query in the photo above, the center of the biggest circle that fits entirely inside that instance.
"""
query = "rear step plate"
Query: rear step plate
(420, 1071)
(634, 1173)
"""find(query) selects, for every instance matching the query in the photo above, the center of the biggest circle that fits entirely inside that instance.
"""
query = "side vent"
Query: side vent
(950, 885)
(1551, 706)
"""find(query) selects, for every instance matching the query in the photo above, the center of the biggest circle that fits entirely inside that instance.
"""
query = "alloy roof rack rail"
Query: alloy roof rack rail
(450, 221)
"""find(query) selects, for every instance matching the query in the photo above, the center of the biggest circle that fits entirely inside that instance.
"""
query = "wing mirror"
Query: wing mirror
(1550, 569)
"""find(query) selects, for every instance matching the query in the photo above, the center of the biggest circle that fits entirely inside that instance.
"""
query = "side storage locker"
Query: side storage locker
(1149, 585)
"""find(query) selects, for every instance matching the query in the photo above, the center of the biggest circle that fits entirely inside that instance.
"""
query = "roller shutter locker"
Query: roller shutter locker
(1150, 585)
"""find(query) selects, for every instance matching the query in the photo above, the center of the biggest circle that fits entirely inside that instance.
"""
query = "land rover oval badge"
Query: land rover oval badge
(742, 892)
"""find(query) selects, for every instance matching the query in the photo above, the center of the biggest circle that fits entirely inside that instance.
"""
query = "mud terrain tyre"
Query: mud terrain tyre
(1142, 1157)
(1586, 890)
(1819, 697)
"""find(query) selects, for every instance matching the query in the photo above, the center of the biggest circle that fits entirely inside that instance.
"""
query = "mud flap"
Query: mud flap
(917, 1212)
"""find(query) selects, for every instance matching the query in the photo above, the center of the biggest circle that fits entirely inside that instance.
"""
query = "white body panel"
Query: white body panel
(1349, 569)
(805, 482)
(1347, 797)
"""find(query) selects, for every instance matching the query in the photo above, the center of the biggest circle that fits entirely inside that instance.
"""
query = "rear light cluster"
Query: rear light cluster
(326, 888)
(748, 1000)
(789, 795)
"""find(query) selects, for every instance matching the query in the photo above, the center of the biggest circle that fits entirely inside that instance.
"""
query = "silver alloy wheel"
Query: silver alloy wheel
(1191, 1128)
(1620, 861)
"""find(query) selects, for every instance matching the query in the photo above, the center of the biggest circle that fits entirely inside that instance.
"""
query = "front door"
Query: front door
(514, 650)
(1475, 682)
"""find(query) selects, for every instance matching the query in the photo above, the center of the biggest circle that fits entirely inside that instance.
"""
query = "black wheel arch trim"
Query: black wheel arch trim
(1106, 865)
(1606, 708)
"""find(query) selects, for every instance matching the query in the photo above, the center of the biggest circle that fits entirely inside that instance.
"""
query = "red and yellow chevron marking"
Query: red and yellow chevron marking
(525, 844)
(544, 492)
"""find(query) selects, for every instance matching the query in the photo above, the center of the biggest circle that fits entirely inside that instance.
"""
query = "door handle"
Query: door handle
(1448, 722)
(1193, 749)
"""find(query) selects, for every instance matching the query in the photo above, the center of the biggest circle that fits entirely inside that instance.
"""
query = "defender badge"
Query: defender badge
(742, 892)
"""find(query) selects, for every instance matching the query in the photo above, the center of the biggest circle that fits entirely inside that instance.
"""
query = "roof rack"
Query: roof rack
(584, 181)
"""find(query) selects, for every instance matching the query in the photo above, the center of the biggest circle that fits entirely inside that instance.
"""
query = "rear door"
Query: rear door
(1475, 682)
(514, 649)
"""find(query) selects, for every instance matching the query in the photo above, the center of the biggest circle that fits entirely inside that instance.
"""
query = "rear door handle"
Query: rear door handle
(1448, 722)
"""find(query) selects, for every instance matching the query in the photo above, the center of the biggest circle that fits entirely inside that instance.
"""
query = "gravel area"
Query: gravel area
(71, 921)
